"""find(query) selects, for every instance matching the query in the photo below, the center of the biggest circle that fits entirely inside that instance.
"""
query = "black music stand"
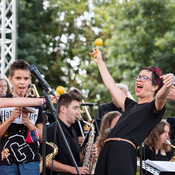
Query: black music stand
(167, 173)
(159, 167)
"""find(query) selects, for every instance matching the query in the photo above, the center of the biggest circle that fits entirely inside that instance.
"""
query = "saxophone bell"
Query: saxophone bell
(49, 156)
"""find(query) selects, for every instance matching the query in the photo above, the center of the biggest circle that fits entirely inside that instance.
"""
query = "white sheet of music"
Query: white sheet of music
(167, 166)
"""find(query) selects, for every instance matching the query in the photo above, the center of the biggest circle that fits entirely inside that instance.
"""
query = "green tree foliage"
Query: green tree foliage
(30, 34)
(57, 36)
(140, 33)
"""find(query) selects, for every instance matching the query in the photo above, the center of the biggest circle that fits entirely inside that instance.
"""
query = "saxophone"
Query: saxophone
(49, 156)
(33, 92)
(88, 159)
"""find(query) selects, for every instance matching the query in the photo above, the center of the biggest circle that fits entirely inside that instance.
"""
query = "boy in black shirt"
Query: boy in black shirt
(68, 110)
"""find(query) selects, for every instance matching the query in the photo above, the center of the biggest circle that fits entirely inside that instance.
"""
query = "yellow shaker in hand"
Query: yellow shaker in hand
(98, 42)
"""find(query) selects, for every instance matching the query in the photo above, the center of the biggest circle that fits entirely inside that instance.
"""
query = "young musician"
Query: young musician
(68, 111)
(20, 130)
(155, 145)
(118, 156)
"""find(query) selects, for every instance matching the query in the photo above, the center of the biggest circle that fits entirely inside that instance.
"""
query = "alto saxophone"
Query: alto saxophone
(49, 156)
(88, 159)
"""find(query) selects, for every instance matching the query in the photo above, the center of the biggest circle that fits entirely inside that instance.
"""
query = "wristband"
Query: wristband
(32, 136)
(43, 100)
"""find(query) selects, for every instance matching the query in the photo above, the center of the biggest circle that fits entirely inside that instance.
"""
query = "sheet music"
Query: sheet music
(162, 165)
(148, 168)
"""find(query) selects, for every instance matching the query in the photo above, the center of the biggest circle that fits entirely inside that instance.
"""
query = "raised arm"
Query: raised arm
(116, 93)
(164, 91)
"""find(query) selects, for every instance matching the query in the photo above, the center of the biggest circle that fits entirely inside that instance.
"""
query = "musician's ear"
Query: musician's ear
(10, 78)
(63, 108)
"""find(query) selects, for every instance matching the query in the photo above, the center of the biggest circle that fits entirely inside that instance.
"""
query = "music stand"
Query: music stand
(158, 167)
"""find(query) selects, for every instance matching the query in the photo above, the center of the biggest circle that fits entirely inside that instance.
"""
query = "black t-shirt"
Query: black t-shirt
(135, 124)
(13, 147)
(63, 155)
(105, 108)
(137, 121)
(151, 154)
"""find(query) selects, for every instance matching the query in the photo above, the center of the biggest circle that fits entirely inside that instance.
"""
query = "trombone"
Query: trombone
(33, 91)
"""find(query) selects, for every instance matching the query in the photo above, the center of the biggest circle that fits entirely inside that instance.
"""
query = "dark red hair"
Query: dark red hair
(156, 73)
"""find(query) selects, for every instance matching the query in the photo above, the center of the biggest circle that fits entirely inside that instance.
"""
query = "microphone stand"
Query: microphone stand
(49, 105)
(141, 154)
(43, 107)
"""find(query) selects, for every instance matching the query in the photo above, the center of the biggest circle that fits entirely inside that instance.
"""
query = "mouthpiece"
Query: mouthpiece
(168, 142)
(78, 118)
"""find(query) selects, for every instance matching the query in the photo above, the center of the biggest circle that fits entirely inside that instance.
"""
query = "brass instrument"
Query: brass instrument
(33, 91)
(88, 159)
(89, 118)
(169, 143)
(173, 159)
(49, 156)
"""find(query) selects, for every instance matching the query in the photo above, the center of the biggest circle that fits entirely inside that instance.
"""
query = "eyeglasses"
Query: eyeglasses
(142, 78)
